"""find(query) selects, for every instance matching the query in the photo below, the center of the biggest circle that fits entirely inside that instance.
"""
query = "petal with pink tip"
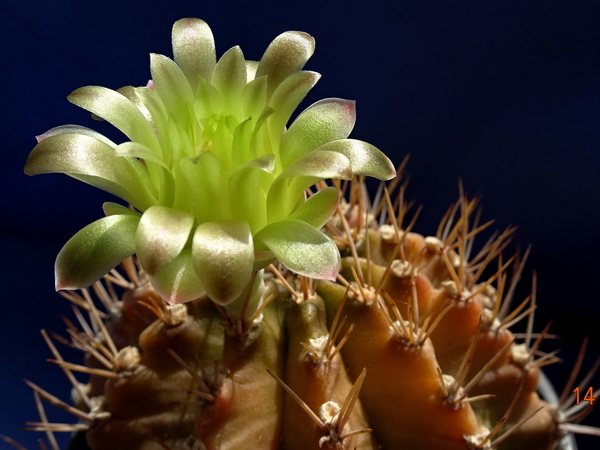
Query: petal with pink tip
(95, 250)
(223, 254)
(323, 121)
(301, 248)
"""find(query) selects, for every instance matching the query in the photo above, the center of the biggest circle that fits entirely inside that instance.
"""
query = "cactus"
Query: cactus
(264, 299)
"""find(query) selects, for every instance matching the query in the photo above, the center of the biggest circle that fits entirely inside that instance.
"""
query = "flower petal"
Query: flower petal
(301, 248)
(318, 208)
(323, 121)
(117, 110)
(95, 250)
(161, 236)
(177, 282)
(290, 185)
(94, 162)
(286, 99)
(75, 129)
(229, 77)
(248, 185)
(114, 209)
(223, 254)
(285, 55)
(253, 99)
(194, 49)
(171, 85)
(365, 158)
(203, 184)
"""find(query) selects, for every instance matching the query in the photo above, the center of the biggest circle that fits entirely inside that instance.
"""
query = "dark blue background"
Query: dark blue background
(503, 94)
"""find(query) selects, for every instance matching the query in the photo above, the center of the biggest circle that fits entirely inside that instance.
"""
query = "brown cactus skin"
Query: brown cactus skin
(314, 381)
(403, 384)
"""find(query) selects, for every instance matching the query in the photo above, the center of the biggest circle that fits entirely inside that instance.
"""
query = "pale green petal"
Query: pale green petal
(208, 100)
(286, 99)
(365, 158)
(303, 173)
(161, 236)
(75, 129)
(203, 182)
(301, 248)
(323, 121)
(114, 209)
(251, 67)
(194, 49)
(171, 85)
(223, 254)
(263, 258)
(248, 185)
(117, 110)
(229, 77)
(318, 208)
(130, 93)
(92, 161)
(157, 110)
(285, 55)
(95, 250)
(137, 150)
(177, 282)
(253, 99)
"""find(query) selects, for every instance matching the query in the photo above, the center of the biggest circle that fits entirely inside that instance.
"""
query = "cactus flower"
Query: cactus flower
(215, 180)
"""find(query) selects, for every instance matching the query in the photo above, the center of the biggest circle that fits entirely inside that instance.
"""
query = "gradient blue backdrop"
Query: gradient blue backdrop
(505, 95)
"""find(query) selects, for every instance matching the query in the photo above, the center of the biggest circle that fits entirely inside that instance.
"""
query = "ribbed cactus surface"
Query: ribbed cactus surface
(409, 349)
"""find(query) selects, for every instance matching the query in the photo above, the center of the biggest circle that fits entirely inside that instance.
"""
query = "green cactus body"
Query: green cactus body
(266, 308)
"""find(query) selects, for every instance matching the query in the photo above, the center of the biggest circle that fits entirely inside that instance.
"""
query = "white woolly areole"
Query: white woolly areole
(96, 412)
(519, 353)
(127, 359)
(328, 411)
(489, 320)
(433, 244)
(474, 441)
(450, 287)
(388, 234)
(401, 269)
(177, 314)
(450, 385)
(318, 344)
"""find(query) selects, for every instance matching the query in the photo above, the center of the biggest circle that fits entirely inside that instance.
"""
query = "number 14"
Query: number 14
(589, 396)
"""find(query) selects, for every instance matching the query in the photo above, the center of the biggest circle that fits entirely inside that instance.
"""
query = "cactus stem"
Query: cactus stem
(300, 402)
(204, 392)
(332, 427)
